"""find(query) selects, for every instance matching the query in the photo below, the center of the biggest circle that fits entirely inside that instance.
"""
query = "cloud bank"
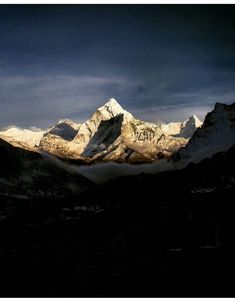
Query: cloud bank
(102, 172)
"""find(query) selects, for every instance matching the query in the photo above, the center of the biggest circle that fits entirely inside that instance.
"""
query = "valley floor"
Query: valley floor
(170, 234)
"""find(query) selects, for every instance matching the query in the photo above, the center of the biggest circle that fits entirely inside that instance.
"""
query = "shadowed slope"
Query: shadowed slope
(107, 132)
(64, 130)
(27, 174)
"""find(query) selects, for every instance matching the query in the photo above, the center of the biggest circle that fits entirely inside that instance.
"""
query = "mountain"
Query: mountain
(87, 133)
(216, 134)
(190, 126)
(109, 112)
(183, 129)
(113, 134)
(27, 174)
(24, 138)
(56, 138)
(110, 134)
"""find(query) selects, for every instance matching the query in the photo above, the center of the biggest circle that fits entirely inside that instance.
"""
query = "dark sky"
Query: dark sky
(159, 61)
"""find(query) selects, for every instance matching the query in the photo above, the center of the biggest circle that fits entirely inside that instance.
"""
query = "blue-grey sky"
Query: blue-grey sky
(161, 62)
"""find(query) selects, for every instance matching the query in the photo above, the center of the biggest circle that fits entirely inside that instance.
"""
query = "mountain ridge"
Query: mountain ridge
(216, 134)
(110, 134)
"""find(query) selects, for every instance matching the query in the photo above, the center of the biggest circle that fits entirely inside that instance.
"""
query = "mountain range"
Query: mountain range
(110, 134)
(34, 159)
(113, 134)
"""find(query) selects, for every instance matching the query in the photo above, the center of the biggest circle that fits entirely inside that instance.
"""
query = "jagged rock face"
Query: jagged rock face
(185, 129)
(149, 140)
(24, 138)
(54, 144)
(216, 134)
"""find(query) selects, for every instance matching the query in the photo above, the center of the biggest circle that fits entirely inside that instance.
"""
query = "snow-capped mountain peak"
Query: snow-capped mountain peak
(108, 111)
(111, 109)
(216, 134)
(190, 126)
(194, 119)
(182, 129)
(112, 102)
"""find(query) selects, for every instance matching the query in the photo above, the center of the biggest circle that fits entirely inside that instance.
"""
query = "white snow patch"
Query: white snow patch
(30, 137)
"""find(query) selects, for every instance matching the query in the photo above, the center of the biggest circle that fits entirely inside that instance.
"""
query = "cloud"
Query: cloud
(171, 113)
(102, 172)
(160, 62)
(42, 100)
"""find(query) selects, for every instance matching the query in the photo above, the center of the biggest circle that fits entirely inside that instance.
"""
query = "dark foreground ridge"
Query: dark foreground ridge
(170, 234)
